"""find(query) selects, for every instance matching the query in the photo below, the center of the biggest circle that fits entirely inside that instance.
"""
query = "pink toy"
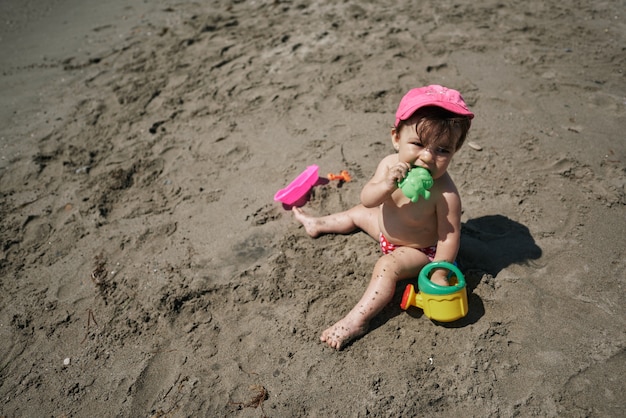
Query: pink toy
(298, 188)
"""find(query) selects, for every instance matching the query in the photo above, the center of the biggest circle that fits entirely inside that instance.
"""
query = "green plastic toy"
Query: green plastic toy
(416, 183)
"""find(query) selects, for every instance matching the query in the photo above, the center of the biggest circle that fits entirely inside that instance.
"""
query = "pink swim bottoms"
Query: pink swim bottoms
(386, 247)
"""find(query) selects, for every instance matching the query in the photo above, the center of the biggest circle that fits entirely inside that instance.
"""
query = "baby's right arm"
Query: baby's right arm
(384, 182)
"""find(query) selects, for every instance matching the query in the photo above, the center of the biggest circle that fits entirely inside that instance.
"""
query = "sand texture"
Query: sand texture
(146, 270)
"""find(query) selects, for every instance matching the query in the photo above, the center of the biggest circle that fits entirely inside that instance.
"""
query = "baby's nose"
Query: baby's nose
(426, 155)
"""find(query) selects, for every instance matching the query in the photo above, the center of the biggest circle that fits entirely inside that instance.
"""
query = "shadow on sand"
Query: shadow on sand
(492, 243)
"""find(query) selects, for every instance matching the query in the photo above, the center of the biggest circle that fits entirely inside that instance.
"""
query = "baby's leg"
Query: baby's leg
(341, 222)
(401, 264)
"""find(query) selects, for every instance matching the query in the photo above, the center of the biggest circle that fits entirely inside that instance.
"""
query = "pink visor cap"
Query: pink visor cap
(433, 95)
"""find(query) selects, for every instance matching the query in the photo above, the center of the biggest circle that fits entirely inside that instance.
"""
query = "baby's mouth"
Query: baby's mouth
(419, 166)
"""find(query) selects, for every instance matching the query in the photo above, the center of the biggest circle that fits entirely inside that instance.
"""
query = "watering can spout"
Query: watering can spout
(411, 298)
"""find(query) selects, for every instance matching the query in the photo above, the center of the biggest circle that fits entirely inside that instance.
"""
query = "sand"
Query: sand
(146, 270)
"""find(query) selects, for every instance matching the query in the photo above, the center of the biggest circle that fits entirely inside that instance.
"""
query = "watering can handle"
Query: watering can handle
(441, 265)
(426, 286)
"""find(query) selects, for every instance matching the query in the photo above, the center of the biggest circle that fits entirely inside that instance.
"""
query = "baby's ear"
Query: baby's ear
(395, 138)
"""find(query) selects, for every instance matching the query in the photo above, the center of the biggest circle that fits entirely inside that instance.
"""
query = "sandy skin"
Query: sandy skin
(389, 269)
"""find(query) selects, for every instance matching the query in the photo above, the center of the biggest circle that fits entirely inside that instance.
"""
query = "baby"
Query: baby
(431, 125)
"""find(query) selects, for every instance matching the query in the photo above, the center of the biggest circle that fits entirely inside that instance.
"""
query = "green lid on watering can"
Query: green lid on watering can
(426, 286)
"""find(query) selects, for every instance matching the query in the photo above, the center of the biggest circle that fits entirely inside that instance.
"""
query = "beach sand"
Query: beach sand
(146, 270)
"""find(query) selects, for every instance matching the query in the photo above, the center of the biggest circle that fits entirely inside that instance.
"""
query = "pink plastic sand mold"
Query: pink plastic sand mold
(298, 188)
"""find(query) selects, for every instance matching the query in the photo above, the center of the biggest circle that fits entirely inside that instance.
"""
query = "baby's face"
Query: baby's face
(435, 156)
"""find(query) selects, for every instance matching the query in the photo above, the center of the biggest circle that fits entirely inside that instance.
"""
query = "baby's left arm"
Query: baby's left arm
(449, 232)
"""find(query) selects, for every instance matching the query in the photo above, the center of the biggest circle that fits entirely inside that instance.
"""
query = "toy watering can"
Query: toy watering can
(440, 303)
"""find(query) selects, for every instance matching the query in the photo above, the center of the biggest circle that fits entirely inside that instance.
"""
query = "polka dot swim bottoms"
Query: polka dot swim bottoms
(386, 247)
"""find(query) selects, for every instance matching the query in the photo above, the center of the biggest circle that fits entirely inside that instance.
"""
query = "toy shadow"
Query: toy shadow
(488, 245)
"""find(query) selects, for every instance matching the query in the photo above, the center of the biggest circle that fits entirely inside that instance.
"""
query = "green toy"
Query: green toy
(416, 183)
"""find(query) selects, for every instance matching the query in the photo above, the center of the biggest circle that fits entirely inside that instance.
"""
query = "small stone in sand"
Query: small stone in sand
(474, 145)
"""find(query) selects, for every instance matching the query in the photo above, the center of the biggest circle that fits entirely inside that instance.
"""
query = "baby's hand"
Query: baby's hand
(397, 172)
(440, 277)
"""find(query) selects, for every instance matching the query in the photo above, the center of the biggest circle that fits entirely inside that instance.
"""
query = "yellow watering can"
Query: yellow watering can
(440, 303)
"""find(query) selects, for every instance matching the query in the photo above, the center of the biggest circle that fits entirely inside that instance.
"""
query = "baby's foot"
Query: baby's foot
(342, 333)
(309, 222)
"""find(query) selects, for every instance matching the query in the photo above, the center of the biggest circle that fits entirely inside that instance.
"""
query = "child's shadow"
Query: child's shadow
(492, 243)
(488, 245)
